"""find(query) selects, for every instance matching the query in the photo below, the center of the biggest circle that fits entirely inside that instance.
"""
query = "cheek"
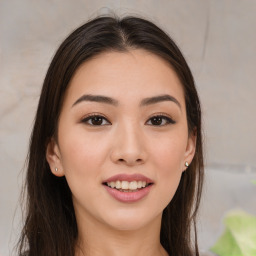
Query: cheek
(168, 160)
(81, 153)
(81, 160)
(169, 155)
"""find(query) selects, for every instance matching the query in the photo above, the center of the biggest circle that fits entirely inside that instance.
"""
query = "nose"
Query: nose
(128, 146)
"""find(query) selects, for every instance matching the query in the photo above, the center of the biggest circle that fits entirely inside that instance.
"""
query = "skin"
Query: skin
(127, 141)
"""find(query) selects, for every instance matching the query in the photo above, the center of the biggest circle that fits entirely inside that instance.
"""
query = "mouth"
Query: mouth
(128, 186)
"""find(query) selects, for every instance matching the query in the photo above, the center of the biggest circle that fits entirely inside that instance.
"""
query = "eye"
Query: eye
(161, 120)
(99, 120)
(95, 120)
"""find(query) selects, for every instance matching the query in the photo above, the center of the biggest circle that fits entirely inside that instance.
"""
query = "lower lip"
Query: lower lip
(128, 197)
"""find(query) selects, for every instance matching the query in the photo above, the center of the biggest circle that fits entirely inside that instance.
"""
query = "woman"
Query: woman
(115, 165)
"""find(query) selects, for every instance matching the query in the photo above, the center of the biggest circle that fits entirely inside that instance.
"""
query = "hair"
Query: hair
(50, 226)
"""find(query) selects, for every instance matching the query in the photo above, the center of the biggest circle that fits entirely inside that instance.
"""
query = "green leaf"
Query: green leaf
(254, 182)
(239, 237)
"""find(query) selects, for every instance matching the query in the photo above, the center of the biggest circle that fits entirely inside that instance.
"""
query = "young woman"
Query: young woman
(115, 165)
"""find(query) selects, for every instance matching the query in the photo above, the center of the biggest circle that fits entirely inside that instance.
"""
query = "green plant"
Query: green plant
(239, 237)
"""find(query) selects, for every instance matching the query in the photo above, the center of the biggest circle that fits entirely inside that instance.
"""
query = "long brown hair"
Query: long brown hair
(50, 227)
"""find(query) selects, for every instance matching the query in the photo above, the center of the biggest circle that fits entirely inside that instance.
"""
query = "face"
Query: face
(136, 135)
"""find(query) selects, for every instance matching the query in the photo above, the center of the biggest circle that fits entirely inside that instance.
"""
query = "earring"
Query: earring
(56, 169)
(186, 164)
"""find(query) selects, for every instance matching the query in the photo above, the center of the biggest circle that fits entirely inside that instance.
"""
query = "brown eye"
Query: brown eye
(95, 120)
(161, 120)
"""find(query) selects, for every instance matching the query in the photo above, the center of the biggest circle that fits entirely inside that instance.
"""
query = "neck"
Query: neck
(97, 239)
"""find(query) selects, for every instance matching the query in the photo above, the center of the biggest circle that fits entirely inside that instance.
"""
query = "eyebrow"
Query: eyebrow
(114, 102)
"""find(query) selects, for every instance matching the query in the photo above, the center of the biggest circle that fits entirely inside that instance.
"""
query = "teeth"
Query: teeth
(118, 184)
(133, 185)
(126, 185)
(112, 184)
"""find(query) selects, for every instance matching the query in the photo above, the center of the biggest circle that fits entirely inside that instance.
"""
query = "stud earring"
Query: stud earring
(186, 164)
(56, 169)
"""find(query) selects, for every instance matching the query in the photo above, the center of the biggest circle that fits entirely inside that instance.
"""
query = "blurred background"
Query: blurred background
(218, 40)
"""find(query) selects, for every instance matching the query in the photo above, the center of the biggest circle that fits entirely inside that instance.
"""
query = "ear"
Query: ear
(191, 148)
(53, 157)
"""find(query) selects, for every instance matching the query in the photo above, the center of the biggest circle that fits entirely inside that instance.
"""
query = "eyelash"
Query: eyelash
(160, 115)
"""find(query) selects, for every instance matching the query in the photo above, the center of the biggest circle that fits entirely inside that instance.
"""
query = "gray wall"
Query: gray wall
(219, 41)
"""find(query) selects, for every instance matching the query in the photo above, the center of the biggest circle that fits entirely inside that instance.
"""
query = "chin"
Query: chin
(131, 220)
(128, 225)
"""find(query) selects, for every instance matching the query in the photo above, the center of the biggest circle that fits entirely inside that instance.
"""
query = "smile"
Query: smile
(128, 188)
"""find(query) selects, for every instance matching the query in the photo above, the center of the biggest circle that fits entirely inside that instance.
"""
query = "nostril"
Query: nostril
(131, 162)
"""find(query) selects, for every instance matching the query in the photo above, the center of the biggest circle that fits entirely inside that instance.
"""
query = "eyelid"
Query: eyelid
(89, 116)
(163, 115)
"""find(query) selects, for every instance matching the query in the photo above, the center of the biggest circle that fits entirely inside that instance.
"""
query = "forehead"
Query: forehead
(128, 76)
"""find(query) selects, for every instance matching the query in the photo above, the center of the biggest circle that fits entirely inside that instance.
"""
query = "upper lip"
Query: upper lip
(128, 177)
